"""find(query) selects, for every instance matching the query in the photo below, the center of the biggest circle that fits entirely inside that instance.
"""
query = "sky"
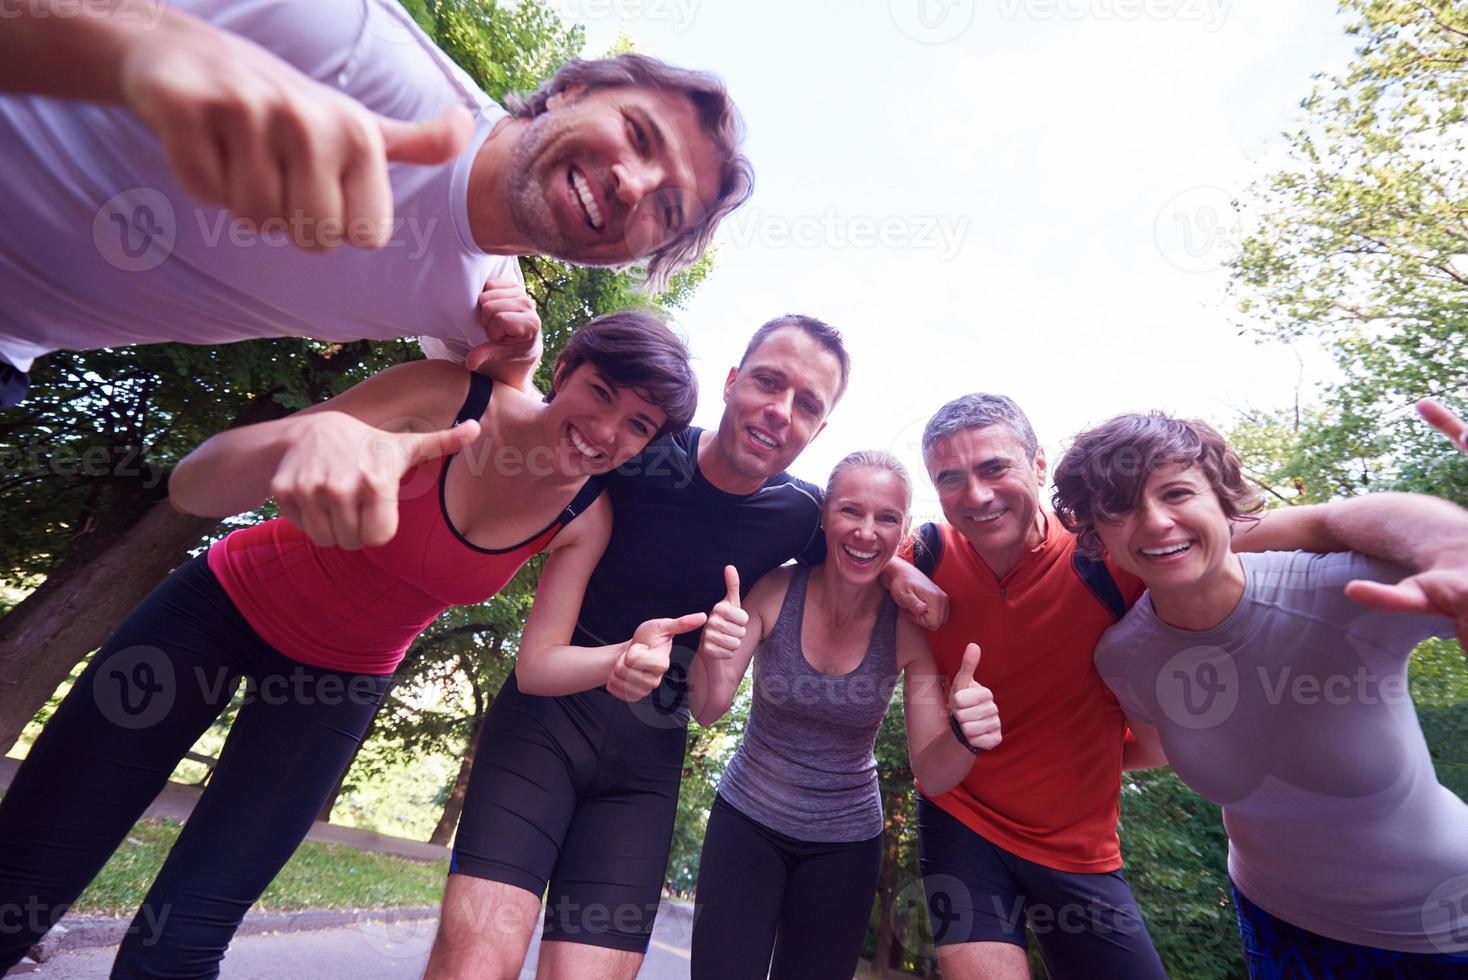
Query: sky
(1029, 197)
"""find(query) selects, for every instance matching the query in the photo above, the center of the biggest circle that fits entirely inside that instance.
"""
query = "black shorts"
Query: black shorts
(578, 793)
(1086, 925)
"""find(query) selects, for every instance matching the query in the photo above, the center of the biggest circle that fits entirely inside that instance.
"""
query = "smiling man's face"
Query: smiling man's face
(776, 402)
(611, 175)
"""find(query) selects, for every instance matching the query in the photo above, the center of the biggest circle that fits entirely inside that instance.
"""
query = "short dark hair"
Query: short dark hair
(818, 330)
(635, 349)
(979, 411)
(716, 112)
(1102, 475)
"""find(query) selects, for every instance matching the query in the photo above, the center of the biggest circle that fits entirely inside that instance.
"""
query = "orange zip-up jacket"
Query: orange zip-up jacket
(1050, 791)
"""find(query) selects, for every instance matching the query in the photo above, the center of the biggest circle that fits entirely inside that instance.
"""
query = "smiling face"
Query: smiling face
(776, 403)
(597, 425)
(1176, 538)
(990, 491)
(609, 175)
(865, 517)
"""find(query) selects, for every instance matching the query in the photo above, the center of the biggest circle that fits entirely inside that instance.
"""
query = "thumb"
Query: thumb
(965, 675)
(430, 141)
(731, 585)
(431, 445)
(685, 624)
(1404, 597)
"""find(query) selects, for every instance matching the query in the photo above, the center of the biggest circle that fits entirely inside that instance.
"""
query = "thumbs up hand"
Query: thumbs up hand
(338, 480)
(640, 668)
(972, 704)
(727, 623)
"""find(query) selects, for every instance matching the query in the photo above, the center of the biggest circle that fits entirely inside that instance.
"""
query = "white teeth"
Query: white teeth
(582, 446)
(764, 440)
(588, 202)
(859, 555)
(1164, 552)
(986, 518)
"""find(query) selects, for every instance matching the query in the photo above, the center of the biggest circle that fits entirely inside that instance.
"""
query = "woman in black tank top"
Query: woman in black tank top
(793, 848)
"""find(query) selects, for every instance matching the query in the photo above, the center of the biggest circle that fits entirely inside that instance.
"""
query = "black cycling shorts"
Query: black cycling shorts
(578, 793)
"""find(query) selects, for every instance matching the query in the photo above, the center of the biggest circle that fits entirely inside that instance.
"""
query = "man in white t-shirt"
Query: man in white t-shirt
(217, 135)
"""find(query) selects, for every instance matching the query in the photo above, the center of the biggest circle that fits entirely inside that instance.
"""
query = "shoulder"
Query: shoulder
(912, 642)
(799, 493)
(768, 594)
(590, 526)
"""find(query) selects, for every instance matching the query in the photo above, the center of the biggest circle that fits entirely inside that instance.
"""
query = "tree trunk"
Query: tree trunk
(109, 570)
(80, 603)
(452, 809)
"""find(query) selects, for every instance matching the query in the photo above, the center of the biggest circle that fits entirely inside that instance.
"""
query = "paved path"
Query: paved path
(370, 951)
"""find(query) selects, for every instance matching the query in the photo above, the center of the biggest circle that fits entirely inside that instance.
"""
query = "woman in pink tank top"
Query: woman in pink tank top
(422, 487)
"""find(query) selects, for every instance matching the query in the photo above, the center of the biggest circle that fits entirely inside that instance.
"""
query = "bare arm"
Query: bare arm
(548, 665)
(333, 468)
(939, 760)
(915, 594)
(242, 128)
(1424, 534)
(1144, 750)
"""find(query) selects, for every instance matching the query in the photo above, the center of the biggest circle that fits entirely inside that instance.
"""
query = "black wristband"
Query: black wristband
(962, 738)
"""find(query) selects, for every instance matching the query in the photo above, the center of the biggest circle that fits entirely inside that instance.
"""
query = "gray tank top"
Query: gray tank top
(806, 767)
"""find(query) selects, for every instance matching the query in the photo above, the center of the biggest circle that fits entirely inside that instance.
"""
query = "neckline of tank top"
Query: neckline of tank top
(556, 523)
(800, 629)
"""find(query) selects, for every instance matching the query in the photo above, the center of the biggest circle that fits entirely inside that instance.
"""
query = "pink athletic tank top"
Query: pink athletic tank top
(359, 611)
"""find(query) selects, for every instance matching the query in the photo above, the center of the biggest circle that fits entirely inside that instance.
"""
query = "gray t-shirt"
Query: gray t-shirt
(1294, 715)
(806, 768)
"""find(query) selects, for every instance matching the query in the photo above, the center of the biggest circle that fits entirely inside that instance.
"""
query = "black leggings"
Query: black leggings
(758, 890)
(154, 687)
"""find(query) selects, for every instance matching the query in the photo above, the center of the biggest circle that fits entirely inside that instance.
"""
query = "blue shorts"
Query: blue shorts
(1086, 925)
(1276, 950)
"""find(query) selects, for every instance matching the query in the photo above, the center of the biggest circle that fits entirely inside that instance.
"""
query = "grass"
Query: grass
(318, 876)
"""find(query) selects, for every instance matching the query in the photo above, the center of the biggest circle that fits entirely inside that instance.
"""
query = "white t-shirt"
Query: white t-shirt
(1294, 715)
(100, 247)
